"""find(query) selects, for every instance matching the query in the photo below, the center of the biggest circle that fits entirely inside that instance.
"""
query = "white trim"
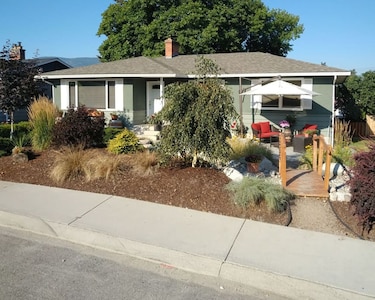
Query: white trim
(149, 85)
(64, 94)
(106, 76)
(270, 75)
(119, 94)
(251, 75)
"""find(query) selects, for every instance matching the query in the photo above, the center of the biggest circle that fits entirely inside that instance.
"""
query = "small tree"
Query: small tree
(17, 85)
(198, 114)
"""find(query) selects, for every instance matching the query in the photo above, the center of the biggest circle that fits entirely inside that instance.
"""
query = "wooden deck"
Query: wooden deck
(305, 183)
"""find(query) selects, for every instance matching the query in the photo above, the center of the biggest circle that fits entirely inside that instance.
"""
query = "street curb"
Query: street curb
(185, 261)
(280, 284)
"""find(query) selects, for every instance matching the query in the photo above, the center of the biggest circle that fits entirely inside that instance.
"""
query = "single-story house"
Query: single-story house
(135, 86)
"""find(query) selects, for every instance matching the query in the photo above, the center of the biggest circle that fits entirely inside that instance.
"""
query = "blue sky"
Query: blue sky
(337, 32)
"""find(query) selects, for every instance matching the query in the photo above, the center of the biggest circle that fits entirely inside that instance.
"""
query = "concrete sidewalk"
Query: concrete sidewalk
(295, 263)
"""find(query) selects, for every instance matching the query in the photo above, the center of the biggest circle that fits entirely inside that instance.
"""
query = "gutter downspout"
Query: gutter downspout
(333, 110)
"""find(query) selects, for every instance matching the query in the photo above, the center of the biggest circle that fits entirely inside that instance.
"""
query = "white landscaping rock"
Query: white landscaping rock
(344, 197)
(336, 169)
(267, 165)
(233, 174)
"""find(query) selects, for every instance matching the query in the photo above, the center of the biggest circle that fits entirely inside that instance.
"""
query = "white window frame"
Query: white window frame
(305, 103)
(119, 103)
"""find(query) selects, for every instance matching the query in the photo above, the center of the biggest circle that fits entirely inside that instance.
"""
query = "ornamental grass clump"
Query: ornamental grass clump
(244, 148)
(145, 163)
(42, 115)
(251, 191)
(69, 164)
(75, 162)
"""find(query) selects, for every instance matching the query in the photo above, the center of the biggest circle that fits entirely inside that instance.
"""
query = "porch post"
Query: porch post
(162, 90)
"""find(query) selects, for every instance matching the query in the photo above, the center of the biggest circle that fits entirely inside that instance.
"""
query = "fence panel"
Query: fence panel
(358, 129)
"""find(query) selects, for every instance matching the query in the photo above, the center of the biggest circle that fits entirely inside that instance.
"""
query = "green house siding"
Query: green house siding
(57, 94)
(320, 113)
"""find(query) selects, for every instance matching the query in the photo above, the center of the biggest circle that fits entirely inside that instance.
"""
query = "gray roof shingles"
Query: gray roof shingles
(183, 65)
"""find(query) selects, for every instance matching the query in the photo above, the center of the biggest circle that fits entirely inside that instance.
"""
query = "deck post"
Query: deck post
(315, 153)
(327, 172)
(282, 159)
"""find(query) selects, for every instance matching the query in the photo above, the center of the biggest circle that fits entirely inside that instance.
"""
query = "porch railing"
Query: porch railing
(320, 148)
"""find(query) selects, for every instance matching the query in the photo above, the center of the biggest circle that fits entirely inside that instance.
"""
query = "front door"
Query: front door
(154, 99)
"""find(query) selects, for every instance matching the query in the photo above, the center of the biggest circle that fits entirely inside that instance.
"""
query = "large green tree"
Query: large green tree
(17, 84)
(198, 115)
(139, 27)
(356, 96)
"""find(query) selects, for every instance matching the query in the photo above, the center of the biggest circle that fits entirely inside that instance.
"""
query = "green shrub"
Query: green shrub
(243, 147)
(6, 145)
(124, 142)
(343, 155)
(252, 191)
(110, 133)
(5, 130)
(362, 189)
(42, 115)
(23, 127)
(78, 128)
(19, 128)
(306, 159)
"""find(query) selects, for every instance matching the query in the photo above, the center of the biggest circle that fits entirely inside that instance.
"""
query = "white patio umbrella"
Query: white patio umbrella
(279, 87)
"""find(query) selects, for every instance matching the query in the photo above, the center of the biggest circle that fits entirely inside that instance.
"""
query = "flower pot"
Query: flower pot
(288, 135)
(253, 167)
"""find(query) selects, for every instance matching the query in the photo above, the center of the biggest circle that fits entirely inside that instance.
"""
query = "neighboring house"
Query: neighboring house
(135, 86)
(46, 64)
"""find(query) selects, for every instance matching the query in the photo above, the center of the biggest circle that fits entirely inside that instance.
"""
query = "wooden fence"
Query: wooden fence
(359, 129)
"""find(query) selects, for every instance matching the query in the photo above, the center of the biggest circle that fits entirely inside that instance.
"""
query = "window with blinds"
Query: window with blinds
(111, 94)
(72, 94)
(92, 94)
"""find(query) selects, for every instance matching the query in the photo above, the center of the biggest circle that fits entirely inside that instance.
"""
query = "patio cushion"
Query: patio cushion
(265, 127)
(310, 127)
(255, 126)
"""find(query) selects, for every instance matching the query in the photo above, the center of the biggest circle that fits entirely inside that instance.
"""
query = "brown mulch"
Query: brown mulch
(200, 189)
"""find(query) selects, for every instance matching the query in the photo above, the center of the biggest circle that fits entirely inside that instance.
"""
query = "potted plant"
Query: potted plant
(253, 161)
(114, 116)
(310, 132)
(154, 121)
(285, 127)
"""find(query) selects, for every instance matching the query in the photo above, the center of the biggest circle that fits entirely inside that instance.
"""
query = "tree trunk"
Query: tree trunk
(195, 159)
(11, 125)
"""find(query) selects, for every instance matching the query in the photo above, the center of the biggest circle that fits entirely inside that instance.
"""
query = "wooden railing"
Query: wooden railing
(319, 148)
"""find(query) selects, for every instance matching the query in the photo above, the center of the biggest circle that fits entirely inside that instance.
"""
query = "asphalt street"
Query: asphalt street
(38, 267)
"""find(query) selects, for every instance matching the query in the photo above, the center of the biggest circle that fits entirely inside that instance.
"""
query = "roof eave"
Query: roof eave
(296, 74)
(91, 76)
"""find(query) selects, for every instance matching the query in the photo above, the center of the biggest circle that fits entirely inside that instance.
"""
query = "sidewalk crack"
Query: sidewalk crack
(231, 247)
(90, 210)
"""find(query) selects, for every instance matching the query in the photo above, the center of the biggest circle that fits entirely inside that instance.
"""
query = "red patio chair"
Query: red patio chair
(264, 130)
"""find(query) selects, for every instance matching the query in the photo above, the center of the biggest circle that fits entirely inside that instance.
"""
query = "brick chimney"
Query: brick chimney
(17, 52)
(171, 48)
